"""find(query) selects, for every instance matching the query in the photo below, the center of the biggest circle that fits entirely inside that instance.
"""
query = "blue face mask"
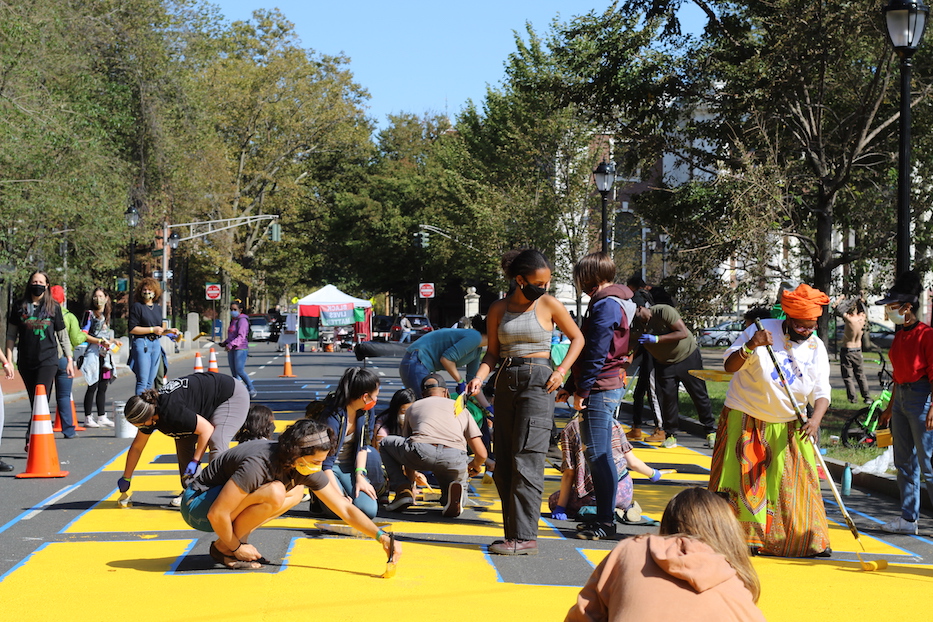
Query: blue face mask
(234, 314)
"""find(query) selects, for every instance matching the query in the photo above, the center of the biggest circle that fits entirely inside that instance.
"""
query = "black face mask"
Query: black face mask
(533, 292)
(36, 290)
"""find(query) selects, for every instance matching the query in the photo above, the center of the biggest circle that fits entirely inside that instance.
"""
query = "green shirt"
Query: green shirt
(75, 334)
(663, 318)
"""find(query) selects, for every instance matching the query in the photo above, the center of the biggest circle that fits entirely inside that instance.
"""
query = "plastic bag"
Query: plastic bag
(879, 465)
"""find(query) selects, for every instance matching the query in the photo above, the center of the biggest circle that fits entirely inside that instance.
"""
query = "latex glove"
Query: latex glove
(123, 484)
(655, 476)
(559, 513)
(192, 467)
(461, 387)
(648, 339)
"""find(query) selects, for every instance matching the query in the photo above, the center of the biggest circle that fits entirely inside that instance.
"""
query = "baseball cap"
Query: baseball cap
(433, 381)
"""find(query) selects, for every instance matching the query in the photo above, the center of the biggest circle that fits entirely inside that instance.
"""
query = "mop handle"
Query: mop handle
(816, 447)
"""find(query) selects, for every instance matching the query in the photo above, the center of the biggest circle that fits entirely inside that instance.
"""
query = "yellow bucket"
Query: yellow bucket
(883, 438)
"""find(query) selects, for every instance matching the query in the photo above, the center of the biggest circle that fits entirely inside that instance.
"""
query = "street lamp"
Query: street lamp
(605, 176)
(132, 219)
(906, 21)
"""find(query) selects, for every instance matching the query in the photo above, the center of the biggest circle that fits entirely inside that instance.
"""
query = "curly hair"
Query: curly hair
(302, 438)
(140, 408)
(152, 284)
(260, 423)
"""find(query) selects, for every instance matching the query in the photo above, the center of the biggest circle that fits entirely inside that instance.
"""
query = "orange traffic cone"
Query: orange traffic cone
(212, 362)
(198, 365)
(287, 372)
(43, 456)
(74, 417)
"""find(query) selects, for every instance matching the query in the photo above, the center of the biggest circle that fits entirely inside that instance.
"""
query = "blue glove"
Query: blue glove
(490, 410)
(559, 513)
(655, 477)
(192, 467)
(461, 387)
(648, 339)
(123, 484)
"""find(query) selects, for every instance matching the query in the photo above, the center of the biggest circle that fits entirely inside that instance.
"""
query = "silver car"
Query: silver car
(720, 335)
(259, 328)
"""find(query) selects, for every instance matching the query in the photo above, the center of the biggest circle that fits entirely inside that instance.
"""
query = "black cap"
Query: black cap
(906, 289)
(433, 381)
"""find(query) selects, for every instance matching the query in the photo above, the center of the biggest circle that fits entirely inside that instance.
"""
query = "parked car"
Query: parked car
(259, 328)
(720, 335)
(880, 335)
(419, 326)
(382, 327)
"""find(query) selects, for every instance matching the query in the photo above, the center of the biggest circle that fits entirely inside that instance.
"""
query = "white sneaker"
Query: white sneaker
(104, 422)
(89, 422)
(176, 502)
(900, 525)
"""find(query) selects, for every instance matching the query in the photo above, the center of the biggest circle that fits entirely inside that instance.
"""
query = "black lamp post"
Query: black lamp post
(906, 22)
(605, 176)
(132, 219)
(173, 241)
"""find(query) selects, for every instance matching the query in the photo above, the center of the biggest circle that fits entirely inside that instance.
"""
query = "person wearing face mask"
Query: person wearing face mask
(98, 367)
(145, 327)
(257, 481)
(199, 411)
(910, 411)
(597, 381)
(237, 346)
(354, 466)
(519, 344)
(64, 382)
(763, 459)
(37, 327)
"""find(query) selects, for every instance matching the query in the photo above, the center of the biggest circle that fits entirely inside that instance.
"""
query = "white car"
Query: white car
(720, 335)
(259, 328)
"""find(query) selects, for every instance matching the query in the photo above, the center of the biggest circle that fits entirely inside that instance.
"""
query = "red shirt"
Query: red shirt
(912, 354)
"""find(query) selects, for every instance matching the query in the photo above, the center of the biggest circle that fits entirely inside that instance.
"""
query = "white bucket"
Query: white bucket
(121, 427)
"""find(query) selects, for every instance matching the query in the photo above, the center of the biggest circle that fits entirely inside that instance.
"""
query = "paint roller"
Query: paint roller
(867, 566)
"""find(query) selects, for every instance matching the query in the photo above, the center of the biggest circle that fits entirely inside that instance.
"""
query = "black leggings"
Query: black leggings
(100, 389)
(33, 377)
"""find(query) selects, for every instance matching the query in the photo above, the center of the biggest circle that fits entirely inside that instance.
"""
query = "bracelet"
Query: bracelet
(151, 329)
(748, 351)
(561, 370)
(379, 535)
(237, 548)
(742, 353)
(363, 471)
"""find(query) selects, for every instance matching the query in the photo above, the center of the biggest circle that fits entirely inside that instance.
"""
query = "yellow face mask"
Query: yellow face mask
(306, 468)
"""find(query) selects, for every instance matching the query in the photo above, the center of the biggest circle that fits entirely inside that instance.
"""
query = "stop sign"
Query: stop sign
(212, 291)
(426, 290)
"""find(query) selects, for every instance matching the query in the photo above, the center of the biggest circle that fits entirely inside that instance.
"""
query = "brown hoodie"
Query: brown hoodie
(664, 579)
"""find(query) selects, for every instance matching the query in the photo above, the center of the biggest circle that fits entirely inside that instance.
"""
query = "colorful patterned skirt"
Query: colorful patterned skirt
(771, 478)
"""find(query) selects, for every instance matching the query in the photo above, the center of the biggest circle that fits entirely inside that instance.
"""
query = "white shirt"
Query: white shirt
(756, 389)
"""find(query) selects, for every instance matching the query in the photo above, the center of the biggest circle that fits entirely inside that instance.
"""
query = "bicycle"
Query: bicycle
(860, 429)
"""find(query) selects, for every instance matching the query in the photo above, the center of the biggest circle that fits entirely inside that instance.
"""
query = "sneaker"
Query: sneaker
(670, 442)
(711, 440)
(90, 423)
(900, 525)
(454, 500)
(253, 394)
(598, 531)
(867, 399)
(176, 502)
(104, 421)
(631, 515)
(5, 467)
(657, 437)
(587, 523)
(635, 434)
(514, 547)
(403, 501)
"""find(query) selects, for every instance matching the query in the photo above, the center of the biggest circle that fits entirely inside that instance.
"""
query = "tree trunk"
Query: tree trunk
(823, 255)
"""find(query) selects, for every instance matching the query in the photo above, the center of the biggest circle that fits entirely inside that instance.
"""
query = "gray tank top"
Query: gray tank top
(521, 334)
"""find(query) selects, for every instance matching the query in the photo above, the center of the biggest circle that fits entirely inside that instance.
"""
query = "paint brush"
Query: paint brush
(390, 565)
(124, 500)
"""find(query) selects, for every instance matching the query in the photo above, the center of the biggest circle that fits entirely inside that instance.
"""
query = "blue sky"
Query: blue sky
(415, 56)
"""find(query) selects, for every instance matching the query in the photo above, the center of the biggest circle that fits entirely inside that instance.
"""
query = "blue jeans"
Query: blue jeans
(413, 372)
(406, 336)
(913, 444)
(63, 386)
(147, 354)
(237, 361)
(345, 476)
(596, 432)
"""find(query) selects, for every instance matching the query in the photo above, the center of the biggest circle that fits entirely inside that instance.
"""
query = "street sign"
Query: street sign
(426, 290)
(212, 291)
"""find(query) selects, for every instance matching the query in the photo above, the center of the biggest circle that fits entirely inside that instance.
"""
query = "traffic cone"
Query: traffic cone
(198, 365)
(212, 362)
(287, 372)
(43, 456)
(74, 417)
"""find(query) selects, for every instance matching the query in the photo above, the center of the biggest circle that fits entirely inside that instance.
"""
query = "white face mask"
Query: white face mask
(895, 315)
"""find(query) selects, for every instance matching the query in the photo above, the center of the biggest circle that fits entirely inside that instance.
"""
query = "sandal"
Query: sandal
(231, 562)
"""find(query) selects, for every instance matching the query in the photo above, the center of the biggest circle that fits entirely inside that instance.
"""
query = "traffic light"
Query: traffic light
(418, 240)
(275, 232)
(425, 239)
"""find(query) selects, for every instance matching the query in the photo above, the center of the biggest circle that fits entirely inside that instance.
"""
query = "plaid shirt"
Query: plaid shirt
(573, 458)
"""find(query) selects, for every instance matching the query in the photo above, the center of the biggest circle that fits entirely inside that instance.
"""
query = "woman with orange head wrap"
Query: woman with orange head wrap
(762, 459)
